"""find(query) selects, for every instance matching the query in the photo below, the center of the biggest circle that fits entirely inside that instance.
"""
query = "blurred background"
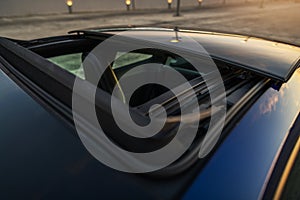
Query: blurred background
(29, 19)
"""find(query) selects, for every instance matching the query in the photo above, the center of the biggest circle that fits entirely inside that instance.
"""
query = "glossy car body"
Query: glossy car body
(42, 157)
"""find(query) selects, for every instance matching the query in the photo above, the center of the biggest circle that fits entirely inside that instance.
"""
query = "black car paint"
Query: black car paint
(46, 157)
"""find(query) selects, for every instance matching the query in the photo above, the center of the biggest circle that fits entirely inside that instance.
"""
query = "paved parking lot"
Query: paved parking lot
(278, 20)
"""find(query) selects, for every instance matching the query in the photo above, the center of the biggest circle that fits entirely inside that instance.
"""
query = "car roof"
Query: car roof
(273, 59)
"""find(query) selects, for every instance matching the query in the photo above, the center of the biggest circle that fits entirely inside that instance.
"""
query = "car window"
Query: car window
(124, 59)
(70, 62)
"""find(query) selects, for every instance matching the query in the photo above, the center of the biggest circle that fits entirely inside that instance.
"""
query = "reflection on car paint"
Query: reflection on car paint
(240, 167)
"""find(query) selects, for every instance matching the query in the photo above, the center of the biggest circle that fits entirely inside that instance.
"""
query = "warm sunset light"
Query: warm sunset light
(169, 4)
(128, 2)
(69, 3)
(200, 2)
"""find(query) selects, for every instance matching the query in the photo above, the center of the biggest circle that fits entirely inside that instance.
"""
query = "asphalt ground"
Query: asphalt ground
(276, 20)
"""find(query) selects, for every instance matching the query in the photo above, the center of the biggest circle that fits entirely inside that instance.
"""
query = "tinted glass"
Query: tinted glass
(71, 63)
